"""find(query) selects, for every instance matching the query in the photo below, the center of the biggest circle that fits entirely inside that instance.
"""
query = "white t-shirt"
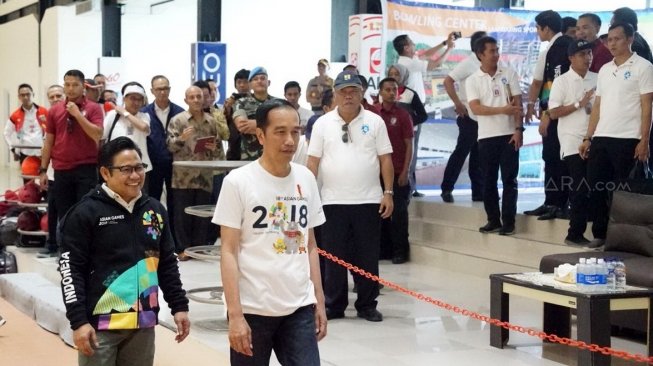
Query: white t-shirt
(125, 128)
(492, 91)
(416, 69)
(538, 74)
(460, 73)
(620, 88)
(568, 89)
(273, 215)
(350, 171)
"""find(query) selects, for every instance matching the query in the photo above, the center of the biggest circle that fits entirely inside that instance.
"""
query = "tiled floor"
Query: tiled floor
(412, 333)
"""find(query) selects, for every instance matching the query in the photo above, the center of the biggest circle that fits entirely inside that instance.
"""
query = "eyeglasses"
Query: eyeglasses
(130, 169)
(346, 137)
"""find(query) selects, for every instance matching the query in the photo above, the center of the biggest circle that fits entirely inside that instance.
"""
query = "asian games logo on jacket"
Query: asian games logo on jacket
(153, 222)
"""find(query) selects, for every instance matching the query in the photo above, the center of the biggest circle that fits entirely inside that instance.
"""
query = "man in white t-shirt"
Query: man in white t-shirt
(495, 98)
(570, 102)
(270, 269)
(129, 121)
(620, 123)
(417, 67)
(467, 128)
(349, 150)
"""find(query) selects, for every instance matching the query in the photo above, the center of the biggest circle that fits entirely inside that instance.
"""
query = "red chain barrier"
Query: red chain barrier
(495, 322)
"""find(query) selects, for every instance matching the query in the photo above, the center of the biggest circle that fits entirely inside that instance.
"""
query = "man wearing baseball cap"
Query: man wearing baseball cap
(317, 85)
(244, 115)
(570, 101)
(349, 149)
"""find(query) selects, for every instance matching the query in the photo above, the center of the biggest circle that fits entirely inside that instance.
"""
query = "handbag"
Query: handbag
(640, 179)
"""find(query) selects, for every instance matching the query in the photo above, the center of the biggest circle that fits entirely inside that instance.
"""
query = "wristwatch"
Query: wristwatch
(577, 105)
(42, 170)
(520, 128)
(389, 192)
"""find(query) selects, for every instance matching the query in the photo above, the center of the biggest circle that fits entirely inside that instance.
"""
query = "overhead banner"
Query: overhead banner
(209, 61)
(429, 24)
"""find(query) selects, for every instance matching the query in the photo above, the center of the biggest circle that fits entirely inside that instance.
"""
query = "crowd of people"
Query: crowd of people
(103, 163)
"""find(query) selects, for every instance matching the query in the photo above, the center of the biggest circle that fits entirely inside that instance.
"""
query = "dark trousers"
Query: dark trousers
(352, 233)
(71, 185)
(53, 220)
(578, 195)
(496, 153)
(555, 192)
(610, 161)
(190, 231)
(394, 230)
(466, 145)
(412, 177)
(292, 337)
(159, 175)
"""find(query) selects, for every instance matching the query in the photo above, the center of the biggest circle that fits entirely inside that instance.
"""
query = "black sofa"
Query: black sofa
(630, 237)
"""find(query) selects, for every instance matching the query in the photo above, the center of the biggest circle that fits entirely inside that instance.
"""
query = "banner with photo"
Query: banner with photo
(429, 24)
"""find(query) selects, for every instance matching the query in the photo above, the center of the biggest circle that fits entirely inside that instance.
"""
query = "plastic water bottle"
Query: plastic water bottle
(602, 273)
(580, 273)
(620, 275)
(611, 281)
(590, 275)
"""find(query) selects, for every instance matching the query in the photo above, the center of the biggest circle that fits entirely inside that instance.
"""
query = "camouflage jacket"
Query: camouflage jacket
(192, 178)
(250, 149)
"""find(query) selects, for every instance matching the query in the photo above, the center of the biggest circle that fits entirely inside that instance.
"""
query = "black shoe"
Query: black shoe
(562, 214)
(399, 259)
(417, 194)
(490, 227)
(576, 241)
(334, 314)
(538, 211)
(371, 315)
(447, 196)
(549, 215)
(507, 230)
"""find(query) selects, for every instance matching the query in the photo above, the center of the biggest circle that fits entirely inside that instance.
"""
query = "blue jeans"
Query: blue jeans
(292, 337)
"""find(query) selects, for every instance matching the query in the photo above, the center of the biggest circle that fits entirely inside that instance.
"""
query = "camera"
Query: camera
(457, 35)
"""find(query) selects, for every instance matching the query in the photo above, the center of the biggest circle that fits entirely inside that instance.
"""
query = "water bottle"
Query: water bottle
(620, 275)
(590, 274)
(611, 281)
(580, 273)
(602, 273)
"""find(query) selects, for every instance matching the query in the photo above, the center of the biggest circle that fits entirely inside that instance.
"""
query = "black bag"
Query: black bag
(8, 232)
(640, 179)
(8, 262)
(31, 241)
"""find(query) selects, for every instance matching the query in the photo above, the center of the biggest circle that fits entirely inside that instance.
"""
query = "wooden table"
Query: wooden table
(592, 311)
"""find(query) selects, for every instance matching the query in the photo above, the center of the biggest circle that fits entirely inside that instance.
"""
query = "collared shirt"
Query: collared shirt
(129, 206)
(191, 178)
(72, 146)
(350, 170)
(620, 88)
(600, 56)
(416, 68)
(460, 73)
(400, 127)
(568, 89)
(223, 129)
(304, 115)
(123, 127)
(162, 114)
(538, 74)
(494, 91)
(30, 131)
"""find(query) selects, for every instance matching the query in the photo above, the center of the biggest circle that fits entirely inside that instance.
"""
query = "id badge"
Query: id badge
(495, 91)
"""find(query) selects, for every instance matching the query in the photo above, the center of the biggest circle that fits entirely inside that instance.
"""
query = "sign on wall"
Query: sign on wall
(209, 61)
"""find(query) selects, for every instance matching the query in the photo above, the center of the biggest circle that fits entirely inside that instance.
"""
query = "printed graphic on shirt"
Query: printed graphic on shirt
(288, 219)
(130, 300)
(154, 223)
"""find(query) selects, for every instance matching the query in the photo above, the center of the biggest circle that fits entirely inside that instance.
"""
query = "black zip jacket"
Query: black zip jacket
(113, 263)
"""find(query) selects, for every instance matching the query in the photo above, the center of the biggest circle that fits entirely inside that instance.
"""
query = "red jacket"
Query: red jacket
(18, 117)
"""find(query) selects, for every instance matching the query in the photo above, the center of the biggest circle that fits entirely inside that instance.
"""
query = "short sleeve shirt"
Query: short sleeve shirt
(400, 127)
(350, 171)
(620, 88)
(460, 73)
(568, 89)
(494, 91)
(416, 68)
(274, 216)
(125, 128)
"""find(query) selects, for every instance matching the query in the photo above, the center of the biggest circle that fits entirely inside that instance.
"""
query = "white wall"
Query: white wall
(287, 37)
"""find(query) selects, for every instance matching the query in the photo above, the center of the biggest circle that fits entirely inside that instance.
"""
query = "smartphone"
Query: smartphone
(457, 35)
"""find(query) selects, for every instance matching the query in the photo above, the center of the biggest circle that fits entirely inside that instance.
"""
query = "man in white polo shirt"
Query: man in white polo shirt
(570, 101)
(495, 98)
(349, 149)
(620, 123)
